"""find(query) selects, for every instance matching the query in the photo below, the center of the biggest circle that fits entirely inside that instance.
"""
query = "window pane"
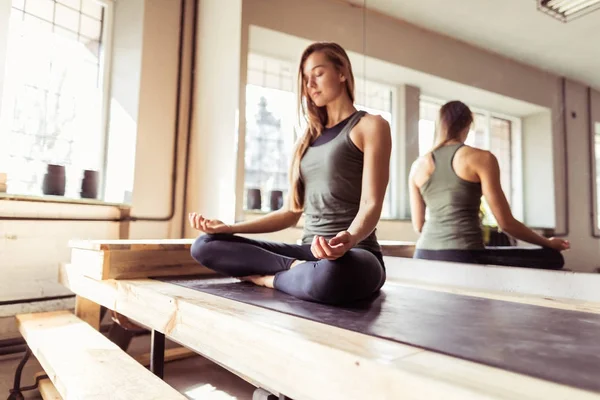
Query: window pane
(43, 9)
(92, 9)
(18, 4)
(90, 28)
(67, 18)
(269, 141)
(479, 132)
(500, 145)
(74, 4)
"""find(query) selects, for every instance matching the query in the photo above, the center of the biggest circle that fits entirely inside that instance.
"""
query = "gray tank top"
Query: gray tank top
(453, 203)
(332, 177)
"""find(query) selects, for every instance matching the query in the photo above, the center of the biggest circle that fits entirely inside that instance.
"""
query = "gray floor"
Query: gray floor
(195, 377)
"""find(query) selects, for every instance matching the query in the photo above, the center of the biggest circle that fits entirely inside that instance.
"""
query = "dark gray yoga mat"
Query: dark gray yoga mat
(552, 344)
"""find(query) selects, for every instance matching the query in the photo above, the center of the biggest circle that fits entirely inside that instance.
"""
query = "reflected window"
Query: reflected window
(271, 128)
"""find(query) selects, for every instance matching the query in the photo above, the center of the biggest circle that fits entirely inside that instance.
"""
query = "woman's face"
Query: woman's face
(323, 82)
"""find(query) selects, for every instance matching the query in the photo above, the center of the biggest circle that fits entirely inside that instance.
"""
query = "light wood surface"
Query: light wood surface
(308, 360)
(47, 389)
(129, 264)
(393, 248)
(83, 364)
(133, 244)
(397, 248)
(88, 311)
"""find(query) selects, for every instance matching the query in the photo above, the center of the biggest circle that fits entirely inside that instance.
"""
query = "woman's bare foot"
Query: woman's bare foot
(259, 280)
(296, 263)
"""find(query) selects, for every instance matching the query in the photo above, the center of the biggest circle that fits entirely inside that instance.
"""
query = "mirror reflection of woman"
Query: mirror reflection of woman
(449, 182)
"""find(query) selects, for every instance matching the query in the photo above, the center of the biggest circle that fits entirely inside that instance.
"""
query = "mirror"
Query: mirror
(409, 58)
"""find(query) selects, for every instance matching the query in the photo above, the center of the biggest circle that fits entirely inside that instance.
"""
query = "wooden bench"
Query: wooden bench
(81, 363)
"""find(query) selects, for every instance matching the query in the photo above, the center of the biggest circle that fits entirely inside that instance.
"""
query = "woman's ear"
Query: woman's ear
(342, 78)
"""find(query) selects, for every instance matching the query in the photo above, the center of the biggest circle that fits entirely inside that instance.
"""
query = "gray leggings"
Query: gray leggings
(357, 275)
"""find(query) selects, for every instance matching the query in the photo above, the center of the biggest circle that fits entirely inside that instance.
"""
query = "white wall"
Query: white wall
(157, 115)
(213, 163)
(126, 66)
(30, 251)
(538, 190)
(585, 250)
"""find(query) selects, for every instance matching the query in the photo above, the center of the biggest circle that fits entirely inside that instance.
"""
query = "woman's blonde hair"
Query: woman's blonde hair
(316, 117)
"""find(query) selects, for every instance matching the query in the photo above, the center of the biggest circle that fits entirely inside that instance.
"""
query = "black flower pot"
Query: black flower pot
(253, 200)
(54, 180)
(276, 200)
(89, 184)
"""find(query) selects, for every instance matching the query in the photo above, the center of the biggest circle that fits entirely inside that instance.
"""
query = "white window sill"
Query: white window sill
(60, 200)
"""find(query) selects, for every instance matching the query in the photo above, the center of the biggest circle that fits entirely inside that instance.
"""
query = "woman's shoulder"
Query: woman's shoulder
(423, 165)
(373, 126)
(477, 156)
(373, 121)
(476, 152)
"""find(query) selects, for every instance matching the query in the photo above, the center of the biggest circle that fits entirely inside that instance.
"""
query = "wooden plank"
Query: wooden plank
(174, 354)
(104, 295)
(47, 389)
(397, 248)
(337, 363)
(88, 311)
(83, 364)
(133, 244)
(130, 264)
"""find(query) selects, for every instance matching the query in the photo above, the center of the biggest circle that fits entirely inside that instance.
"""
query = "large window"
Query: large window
(490, 131)
(271, 127)
(52, 105)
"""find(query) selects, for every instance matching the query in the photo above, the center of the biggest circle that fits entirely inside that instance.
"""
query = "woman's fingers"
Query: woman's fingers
(326, 248)
(316, 248)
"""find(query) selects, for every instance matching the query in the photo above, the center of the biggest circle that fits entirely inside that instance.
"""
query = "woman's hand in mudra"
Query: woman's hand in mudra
(198, 222)
(333, 248)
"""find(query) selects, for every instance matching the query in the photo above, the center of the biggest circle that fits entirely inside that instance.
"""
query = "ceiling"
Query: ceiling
(513, 28)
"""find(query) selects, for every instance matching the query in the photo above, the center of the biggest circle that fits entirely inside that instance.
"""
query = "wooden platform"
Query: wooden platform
(128, 259)
(319, 361)
(83, 364)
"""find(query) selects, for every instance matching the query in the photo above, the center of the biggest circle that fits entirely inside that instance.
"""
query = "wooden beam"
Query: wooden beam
(47, 389)
(175, 354)
(320, 361)
(83, 364)
(88, 311)
(397, 248)
(130, 264)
